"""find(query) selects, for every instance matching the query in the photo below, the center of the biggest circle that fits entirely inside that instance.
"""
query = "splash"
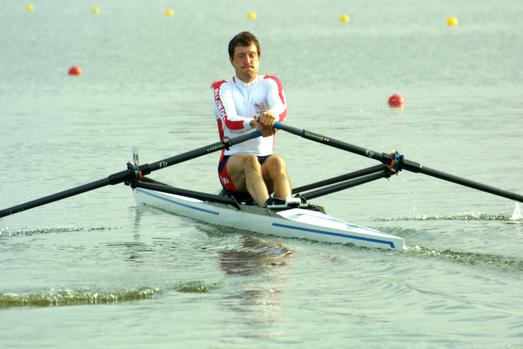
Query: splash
(517, 215)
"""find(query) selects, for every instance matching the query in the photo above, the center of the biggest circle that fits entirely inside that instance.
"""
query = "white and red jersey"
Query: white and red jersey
(237, 103)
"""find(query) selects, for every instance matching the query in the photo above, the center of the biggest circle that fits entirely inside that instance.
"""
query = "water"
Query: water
(96, 270)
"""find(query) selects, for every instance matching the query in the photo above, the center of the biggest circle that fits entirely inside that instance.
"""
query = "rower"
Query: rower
(245, 102)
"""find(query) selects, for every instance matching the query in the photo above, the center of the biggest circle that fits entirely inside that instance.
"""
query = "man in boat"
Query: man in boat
(249, 101)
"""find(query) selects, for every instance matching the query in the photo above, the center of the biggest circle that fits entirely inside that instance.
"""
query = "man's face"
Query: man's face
(246, 62)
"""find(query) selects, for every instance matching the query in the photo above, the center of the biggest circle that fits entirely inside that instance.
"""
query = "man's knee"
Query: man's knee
(275, 167)
(241, 162)
(276, 163)
(251, 162)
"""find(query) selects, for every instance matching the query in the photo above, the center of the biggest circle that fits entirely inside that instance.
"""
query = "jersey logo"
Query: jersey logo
(260, 108)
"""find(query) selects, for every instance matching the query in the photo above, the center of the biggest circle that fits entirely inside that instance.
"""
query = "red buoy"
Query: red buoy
(396, 101)
(75, 71)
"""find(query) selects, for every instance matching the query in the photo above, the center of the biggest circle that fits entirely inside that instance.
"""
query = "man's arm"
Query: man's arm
(226, 110)
(276, 97)
(277, 105)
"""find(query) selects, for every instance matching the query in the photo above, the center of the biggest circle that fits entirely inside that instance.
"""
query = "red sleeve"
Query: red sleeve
(277, 102)
(222, 111)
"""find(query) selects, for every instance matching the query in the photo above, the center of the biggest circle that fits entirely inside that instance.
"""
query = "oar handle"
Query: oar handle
(277, 125)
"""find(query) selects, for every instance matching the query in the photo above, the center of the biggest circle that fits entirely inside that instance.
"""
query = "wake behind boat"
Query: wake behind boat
(291, 219)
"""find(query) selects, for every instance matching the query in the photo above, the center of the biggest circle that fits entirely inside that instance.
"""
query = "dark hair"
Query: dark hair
(243, 39)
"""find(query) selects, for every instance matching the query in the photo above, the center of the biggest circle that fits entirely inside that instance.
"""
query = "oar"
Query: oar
(131, 173)
(341, 178)
(396, 162)
(185, 192)
(346, 185)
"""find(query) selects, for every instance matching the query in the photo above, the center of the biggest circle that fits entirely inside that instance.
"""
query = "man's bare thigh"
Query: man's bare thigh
(236, 167)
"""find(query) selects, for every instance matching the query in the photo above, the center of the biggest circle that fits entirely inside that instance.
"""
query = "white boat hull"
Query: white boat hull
(292, 223)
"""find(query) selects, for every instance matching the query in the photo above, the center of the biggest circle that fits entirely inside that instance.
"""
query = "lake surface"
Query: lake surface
(98, 271)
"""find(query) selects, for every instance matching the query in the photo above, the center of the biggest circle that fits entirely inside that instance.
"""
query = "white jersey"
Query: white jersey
(237, 103)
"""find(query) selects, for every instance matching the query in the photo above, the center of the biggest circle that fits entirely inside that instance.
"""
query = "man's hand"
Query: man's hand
(266, 123)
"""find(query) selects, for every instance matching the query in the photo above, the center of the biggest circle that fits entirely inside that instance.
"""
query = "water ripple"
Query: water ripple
(75, 297)
(30, 232)
(52, 297)
(498, 262)
(472, 216)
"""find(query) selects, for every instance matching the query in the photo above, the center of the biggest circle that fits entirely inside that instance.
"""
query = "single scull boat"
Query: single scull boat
(293, 219)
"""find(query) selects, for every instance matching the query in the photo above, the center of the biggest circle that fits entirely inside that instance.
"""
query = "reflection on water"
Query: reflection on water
(263, 266)
(255, 257)
(256, 267)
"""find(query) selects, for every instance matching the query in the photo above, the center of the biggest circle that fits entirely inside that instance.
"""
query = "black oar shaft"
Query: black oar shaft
(341, 178)
(405, 164)
(185, 192)
(54, 197)
(470, 184)
(224, 144)
(345, 185)
(130, 174)
(112, 179)
(385, 158)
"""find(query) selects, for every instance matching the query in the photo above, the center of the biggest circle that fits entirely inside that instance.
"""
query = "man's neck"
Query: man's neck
(247, 83)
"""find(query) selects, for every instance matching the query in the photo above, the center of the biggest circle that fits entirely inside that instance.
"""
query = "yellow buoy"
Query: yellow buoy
(251, 15)
(452, 21)
(344, 18)
(29, 7)
(169, 12)
(96, 10)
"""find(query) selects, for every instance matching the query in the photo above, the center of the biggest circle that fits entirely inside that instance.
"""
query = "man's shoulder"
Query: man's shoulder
(271, 79)
(217, 84)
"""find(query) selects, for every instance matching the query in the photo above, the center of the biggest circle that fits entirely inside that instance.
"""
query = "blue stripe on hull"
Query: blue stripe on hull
(390, 243)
